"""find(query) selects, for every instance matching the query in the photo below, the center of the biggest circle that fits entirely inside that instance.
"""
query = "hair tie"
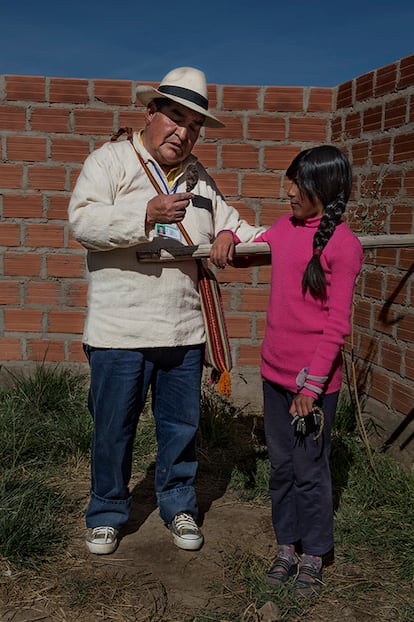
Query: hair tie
(317, 252)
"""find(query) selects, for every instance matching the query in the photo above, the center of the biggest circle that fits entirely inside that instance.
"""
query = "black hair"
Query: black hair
(322, 173)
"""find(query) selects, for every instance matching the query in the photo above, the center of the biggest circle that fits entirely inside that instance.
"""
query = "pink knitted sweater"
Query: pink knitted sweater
(302, 332)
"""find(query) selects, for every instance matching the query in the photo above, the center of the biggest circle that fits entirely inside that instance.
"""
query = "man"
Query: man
(144, 326)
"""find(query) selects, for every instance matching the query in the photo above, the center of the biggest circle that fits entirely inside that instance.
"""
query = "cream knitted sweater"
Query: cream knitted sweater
(133, 304)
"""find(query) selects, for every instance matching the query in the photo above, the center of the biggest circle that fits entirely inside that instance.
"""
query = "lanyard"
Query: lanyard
(166, 187)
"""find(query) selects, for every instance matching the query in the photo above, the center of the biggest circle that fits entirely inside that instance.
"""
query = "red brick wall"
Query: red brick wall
(374, 122)
(49, 125)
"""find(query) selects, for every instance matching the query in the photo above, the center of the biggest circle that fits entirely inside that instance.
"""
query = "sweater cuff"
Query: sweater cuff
(308, 393)
(236, 238)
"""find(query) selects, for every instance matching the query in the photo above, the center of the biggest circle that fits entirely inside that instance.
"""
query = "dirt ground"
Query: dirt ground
(148, 579)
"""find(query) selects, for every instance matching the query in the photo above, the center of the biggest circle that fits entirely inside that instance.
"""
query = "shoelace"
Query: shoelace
(107, 533)
(185, 521)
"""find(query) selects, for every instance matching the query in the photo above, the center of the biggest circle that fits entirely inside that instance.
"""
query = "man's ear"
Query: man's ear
(151, 110)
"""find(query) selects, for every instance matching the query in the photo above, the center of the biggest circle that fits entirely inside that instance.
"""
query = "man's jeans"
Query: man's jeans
(120, 380)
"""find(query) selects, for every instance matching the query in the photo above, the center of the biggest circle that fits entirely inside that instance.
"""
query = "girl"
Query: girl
(315, 262)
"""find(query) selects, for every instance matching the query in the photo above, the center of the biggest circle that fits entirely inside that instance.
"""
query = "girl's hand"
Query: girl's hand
(302, 405)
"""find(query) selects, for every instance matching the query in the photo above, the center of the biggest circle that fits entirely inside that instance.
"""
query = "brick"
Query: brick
(362, 314)
(402, 397)
(68, 91)
(25, 88)
(9, 292)
(381, 150)
(372, 119)
(271, 210)
(391, 184)
(386, 80)
(22, 264)
(65, 321)
(283, 99)
(353, 125)
(239, 326)
(248, 355)
(235, 275)
(405, 328)
(58, 207)
(409, 363)
(100, 122)
(344, 96)
(76, 296)
(380, 387)
(46, 177)
(233, 130)
(9, 234)
(254, 299)
(52, 350)
(240, 97)
(207, 154)
(69, 150)
(266, 128)
(373, 284)
(44, 235)
(406, 259)
(336, 128)
(114, 92)
(131, 118)
(43, 293)
(26, 148)
(65, 265)
(18, 206)
(406, 72)
(364, 87)
(279, 157)
(386, 257)
(12, 118)
(227, 183)
(368, 348)
(246, 212)
(409, 183)
(11, 176)
(391, 357)
(50, 120)
(10, 349)
(23, 320)
(76, 353)
(401, 219)
(360, 152)
(395, 113)
(262, 185)
(312, 129)
(404, 147)
(264, 275)
(260, 327)
(240, 156)
(320, 99)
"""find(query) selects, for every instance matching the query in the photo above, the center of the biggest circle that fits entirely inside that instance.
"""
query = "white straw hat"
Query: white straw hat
(184, 85)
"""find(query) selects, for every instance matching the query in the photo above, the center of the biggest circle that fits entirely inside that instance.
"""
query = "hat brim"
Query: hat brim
(146, 94)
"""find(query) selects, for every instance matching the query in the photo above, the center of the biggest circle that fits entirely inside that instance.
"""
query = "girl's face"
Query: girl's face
(302, 206)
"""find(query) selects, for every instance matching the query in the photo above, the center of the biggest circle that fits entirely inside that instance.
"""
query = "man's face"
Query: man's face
(170, 133)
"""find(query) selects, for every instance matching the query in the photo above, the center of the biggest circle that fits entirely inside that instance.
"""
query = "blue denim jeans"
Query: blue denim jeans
(300, 477)
(119, 384)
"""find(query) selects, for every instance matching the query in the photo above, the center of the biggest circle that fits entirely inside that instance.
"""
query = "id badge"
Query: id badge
(167, 230)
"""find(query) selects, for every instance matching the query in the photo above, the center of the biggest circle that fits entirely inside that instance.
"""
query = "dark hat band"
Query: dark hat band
(188, 94)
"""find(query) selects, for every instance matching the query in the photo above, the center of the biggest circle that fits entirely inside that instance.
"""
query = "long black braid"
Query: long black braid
(322, 173)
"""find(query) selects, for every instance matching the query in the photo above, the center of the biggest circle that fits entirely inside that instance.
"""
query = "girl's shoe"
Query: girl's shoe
(308, 583)
(284, 566)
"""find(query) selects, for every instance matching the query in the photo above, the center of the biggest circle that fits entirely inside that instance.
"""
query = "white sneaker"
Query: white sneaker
(185, 533)
(102, 540)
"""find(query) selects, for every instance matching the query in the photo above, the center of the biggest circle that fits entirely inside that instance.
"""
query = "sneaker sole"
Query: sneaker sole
(101, 549)
(188, 545)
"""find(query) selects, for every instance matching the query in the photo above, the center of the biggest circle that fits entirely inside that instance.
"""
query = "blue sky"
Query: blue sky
(291, 43)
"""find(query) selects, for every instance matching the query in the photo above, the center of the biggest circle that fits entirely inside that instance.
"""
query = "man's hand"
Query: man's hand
(222, 249)
(302, 405)
(167, 208)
